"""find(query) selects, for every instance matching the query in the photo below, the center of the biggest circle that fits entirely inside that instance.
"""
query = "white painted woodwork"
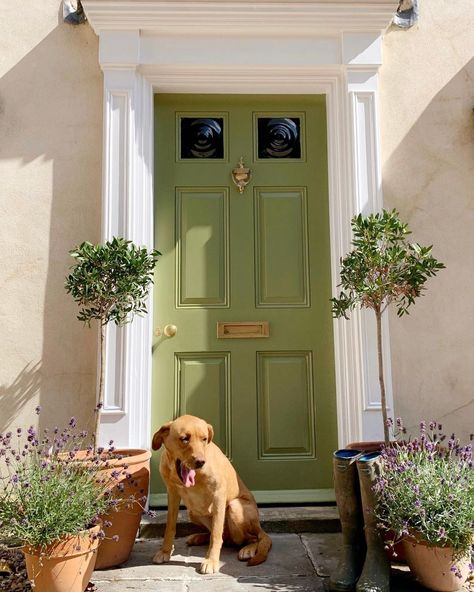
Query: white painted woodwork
(274, 46)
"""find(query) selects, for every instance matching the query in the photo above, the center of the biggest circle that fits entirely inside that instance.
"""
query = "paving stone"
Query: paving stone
(323, 550)
(297, 563)
(144, 586)
(288, 557)
(140, 567)
(288, 584)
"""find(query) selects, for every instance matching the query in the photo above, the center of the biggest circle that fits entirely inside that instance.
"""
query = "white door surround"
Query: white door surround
(272, 47)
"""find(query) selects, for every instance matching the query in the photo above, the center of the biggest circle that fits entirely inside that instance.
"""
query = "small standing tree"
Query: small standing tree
(383, 269)
(110, 282)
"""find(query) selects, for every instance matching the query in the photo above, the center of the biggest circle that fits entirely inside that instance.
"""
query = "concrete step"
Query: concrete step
(282, 519)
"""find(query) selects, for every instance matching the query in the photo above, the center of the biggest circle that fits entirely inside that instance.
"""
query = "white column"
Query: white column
(362, 60)
(127, 212)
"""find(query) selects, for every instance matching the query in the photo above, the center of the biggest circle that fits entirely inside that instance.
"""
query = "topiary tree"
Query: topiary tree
(110, 282)
(382, 269)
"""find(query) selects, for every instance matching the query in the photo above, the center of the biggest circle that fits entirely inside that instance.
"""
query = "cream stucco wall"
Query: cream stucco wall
(427, 131)
(50, 184)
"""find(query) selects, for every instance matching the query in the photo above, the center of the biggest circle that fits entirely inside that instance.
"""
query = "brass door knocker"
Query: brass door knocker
(241, 175)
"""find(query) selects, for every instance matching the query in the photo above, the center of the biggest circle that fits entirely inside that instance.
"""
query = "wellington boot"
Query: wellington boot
(346, 485)
(375, 576)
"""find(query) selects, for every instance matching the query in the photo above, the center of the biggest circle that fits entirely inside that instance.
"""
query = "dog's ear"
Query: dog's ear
(160, 435)
(210, 433)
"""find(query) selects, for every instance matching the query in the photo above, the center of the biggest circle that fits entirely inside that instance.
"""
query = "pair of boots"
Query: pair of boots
(364, 565)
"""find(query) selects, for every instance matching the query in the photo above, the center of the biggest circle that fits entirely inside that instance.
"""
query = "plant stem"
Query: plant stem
(383, 399)
(100, 393)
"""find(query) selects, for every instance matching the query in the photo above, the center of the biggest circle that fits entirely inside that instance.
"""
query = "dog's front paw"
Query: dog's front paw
(209, 566)
(162, 556)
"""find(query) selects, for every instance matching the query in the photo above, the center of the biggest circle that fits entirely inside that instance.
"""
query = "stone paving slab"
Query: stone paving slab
(296, 563)
(287, 558)
(289, 584)
(323, 551)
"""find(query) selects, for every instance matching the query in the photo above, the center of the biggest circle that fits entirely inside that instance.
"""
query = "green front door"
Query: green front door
(245, 279)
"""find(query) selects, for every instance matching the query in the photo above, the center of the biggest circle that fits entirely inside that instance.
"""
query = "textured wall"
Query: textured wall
(50, 177)
(427, 130)
(50, 183)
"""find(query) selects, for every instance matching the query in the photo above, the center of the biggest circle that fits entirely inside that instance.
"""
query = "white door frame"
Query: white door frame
(272, 47)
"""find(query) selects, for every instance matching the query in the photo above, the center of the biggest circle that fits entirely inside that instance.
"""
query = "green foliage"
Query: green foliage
(46, 491)
(383, 268)
(110, 281)
(426, 490)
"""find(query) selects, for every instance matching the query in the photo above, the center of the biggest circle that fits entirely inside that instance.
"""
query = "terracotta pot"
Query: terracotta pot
(65, 566)
(371, 446)
(126, 520)
(432, 566)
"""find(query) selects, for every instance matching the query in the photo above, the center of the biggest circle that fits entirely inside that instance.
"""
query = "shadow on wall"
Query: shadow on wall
(14, 396)
(429, 178)
(51, 130)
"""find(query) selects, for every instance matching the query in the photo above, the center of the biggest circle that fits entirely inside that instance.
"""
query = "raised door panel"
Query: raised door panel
(202, 388)
(202, 240)
(281, 240)
(285, 405)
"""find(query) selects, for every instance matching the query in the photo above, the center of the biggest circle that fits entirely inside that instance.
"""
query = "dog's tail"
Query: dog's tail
(264, 544)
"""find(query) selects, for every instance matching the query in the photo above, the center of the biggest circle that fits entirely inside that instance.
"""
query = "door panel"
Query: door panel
(259, 256)
(203, 389)
(281, 242)
(202, 242)
(286, 424)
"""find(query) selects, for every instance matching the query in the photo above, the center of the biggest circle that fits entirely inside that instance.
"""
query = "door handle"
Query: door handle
(170, 330)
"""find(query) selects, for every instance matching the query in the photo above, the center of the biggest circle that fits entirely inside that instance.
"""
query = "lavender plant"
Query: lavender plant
(47, 491)
(426, 489)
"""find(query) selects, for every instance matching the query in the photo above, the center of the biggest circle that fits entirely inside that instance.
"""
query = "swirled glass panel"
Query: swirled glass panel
(279, 137)
(202, 137)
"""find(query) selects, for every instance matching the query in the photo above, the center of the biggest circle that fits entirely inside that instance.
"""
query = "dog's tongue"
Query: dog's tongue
(188, 476)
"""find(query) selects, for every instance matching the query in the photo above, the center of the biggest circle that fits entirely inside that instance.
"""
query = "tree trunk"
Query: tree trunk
(383, 400)
(100, 393)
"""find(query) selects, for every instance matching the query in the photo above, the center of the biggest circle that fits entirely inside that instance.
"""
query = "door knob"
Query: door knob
(170, 330)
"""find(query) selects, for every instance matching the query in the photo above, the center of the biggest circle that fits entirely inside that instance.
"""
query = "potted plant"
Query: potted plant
(50, 501)
(425, 494)
(110, 283)
(383, 269)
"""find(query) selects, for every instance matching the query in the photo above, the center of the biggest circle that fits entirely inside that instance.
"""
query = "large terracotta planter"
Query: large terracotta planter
(126, 520)
(65, 566)
(432, 566)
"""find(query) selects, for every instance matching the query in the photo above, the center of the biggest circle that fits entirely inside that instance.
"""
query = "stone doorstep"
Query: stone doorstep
(290, 519)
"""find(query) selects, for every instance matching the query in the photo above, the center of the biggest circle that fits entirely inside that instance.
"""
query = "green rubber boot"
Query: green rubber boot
(375, 576)
(346, 485)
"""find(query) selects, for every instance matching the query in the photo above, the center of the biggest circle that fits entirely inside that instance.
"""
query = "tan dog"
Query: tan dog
(196, 471)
